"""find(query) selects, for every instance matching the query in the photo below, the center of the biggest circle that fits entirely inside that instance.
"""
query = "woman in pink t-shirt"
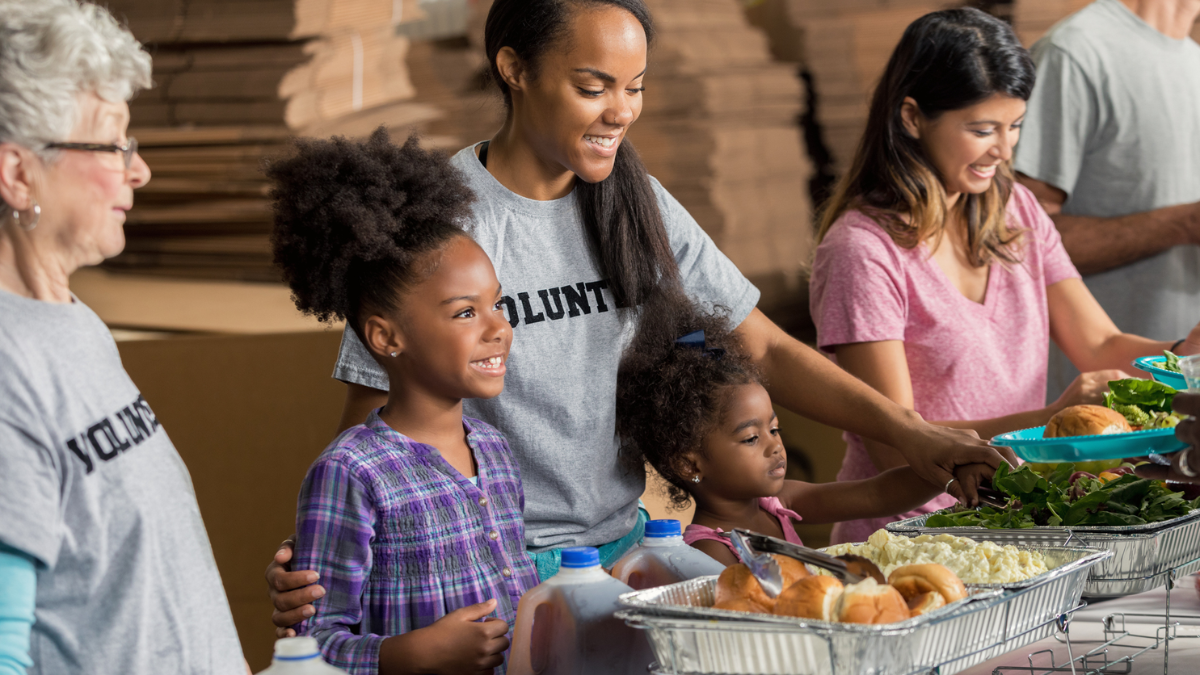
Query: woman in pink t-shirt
(938, 280)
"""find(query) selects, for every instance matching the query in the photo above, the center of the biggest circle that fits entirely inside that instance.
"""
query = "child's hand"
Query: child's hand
(458, 643)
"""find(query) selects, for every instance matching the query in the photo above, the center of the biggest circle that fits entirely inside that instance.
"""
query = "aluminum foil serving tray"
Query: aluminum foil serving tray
(1142, 554)
(689, 637)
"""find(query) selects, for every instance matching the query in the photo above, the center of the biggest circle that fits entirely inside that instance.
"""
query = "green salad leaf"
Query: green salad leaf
(1146, 394)
(1171, 364)
(1033, 500)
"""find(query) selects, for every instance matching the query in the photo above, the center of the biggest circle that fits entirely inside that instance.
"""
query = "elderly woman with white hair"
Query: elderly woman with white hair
(105, 566)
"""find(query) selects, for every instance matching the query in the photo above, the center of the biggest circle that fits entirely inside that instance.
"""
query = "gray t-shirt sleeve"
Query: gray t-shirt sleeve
(1063, 113)
(355, 365)
(708, 275)
(29, 480)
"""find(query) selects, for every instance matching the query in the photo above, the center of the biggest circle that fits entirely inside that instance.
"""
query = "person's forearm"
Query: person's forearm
(18, 588)
(803, 381)
(1100, 244)
(1002, 425)
(1120, 349)
(887, 494)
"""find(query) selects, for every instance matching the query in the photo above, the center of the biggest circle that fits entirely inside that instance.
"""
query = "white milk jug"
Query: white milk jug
(299, 656)
(663, 558)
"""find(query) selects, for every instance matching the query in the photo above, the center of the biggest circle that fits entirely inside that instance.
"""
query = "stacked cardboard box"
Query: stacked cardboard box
(233, 81)
(719, 128)
(845, 45)
(292, 62)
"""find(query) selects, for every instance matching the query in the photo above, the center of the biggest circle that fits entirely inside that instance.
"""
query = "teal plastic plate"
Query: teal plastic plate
(1151, 364)
(1029, 445)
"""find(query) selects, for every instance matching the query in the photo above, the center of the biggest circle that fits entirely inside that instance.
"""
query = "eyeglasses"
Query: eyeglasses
(127, 151)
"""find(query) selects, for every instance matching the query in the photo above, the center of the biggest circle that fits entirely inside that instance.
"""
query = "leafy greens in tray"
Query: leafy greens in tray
(1067, 498)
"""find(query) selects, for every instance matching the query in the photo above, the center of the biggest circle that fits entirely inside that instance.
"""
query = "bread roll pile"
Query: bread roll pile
(912, 590)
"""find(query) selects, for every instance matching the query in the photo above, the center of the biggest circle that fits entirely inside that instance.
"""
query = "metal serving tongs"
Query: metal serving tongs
(762, 565)
(849, 571)
(990, 496)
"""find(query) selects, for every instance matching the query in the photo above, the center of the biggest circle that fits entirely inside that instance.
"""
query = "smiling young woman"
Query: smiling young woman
(938, 280)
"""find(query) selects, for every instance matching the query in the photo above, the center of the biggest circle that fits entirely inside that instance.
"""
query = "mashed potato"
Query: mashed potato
(975, 562)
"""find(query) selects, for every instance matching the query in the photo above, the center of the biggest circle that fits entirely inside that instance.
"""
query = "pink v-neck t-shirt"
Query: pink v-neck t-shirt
(967, 360)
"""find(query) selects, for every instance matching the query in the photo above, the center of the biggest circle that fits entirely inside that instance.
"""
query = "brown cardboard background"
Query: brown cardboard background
(248, 415)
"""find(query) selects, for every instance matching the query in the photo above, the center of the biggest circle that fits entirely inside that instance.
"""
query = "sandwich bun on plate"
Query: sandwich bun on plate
(870, 602)
(737, 588)
(916, 580)
(813, 597)
(1086, 420)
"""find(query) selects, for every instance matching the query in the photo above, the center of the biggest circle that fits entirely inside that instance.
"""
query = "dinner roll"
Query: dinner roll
(914, 580)
(813, 597)
(1086, 420)
(925, 602)
(737, 586)
(737, 583)
(868, 601)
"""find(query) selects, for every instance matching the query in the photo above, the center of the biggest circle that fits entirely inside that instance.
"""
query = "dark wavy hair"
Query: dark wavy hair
(946, 60)
(354, 220)
(620, 213)
(668, 395)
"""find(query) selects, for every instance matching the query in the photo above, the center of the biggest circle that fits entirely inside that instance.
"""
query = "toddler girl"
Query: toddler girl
(691, 403)
(413, 519)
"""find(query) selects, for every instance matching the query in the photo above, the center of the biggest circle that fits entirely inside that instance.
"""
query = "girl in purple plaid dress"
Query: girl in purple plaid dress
(412, 520)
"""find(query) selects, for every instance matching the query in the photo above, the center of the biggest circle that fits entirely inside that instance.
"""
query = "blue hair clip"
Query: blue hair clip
(695, 340)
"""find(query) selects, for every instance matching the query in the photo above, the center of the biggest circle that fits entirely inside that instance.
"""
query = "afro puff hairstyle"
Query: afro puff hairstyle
(353, 220)
(670, 395)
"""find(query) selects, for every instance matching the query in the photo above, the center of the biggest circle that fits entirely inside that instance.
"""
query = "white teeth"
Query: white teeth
(492, 363)
(601, 141)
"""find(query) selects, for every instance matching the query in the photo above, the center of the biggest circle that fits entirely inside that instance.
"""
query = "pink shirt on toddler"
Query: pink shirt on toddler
(967, 360)
(771, 505)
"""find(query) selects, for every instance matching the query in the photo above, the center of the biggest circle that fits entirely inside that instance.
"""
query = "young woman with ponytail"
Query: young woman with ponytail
(938, 280)
(581, 237)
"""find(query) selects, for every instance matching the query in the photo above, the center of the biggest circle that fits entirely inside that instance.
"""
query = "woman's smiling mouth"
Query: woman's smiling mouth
(605, 146)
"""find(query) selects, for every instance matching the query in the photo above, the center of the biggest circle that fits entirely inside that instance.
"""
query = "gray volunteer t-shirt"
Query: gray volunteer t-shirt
(91, 486)
(1114, 121)
(558, 408)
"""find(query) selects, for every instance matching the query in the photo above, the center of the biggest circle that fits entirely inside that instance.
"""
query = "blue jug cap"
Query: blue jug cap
(663, 528)
(580, 556)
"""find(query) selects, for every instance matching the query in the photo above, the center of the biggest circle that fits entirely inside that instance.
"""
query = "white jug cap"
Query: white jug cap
(296, 647)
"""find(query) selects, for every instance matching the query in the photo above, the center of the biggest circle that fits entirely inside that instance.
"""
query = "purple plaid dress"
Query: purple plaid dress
(401, 539)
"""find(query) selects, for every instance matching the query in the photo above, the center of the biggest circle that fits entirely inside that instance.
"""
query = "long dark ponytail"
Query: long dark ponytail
(620, 213)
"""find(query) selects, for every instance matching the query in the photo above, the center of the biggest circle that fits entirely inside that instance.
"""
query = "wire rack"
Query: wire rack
(1125, 637)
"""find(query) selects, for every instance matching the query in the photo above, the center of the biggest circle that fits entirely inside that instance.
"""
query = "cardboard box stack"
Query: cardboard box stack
(233, 80)
(719, 128)
(845, 45)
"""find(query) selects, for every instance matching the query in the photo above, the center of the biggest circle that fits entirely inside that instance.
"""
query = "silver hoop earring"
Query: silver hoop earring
(37, 216)
(695, 479)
